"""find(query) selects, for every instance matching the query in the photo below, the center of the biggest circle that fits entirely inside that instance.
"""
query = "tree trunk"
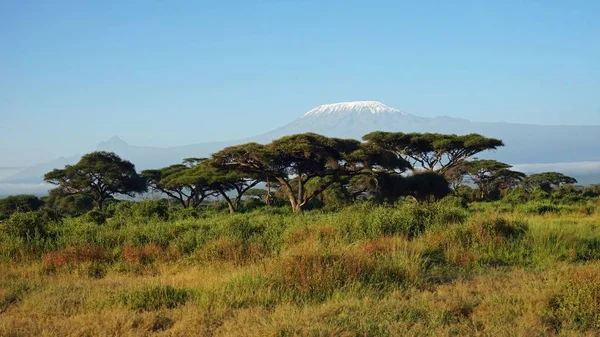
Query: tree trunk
(297, 208)
(100, 203)
(232, 207)
(290, 193)
(268, 197)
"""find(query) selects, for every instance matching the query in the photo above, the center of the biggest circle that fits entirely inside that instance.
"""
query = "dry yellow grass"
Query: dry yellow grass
(321, 285)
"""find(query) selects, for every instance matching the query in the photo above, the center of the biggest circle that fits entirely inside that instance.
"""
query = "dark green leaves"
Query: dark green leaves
(98, 174)
(433, 151)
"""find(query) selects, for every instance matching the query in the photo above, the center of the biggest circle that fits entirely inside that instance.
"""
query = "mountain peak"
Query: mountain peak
(373, 107)
(115, 142)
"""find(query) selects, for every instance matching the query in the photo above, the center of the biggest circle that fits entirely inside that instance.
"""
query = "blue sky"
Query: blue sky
(74, 73)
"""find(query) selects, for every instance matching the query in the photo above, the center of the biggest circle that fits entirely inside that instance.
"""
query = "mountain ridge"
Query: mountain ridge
(525, 143)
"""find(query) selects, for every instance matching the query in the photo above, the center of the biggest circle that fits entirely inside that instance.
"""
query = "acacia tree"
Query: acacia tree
(432, 151)
(182, 182)
(381, 178)
(491, 176)
(547, 181)
(224, 182)
(296, 160)
(100, 174)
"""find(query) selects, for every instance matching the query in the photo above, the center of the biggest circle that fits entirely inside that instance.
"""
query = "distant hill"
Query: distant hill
(524, 143)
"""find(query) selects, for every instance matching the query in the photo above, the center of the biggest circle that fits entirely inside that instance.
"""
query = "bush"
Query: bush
(28, 226)
(516, 196)
(73, 205)
(251, 204)
(96, 216)
(155, 297)
(151, 209)
(19, 203)
(180, 213)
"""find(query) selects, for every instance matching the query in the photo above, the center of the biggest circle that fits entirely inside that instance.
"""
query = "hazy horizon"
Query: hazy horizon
(166, 74)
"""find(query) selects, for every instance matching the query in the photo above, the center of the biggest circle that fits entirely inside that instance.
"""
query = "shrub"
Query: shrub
(180, 213)
(96, 216)
(252, 204)
(19, 203)
(151, 209)
(516, 196)
(27, 226)
(155, 297)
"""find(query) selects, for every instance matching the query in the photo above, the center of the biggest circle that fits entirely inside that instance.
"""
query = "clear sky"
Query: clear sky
(74, 73)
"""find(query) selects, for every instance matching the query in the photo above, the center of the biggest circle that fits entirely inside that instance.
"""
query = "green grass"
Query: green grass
(372, 270)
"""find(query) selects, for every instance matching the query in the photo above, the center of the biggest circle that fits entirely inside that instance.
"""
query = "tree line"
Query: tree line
(300, 168)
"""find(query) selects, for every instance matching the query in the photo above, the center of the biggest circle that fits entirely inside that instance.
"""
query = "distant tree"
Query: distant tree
(101, 175)
(492, 177)
(568, 193)
(456, 176)
(432, 151)
(302, 157)
(19, 203)
(261, 194)
(592, 191)
(231, 184)
(182, 182)
(547, 181)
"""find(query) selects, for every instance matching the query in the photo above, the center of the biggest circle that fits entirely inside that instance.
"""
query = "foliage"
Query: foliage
(304, 158)
(73, 205)
(547, 181)
(427, 186)
(184, 183)
(98, 174)
(30, 226)
(224, 181)
(96, 216)
(19, 203)
(492, 177)
(432, 151)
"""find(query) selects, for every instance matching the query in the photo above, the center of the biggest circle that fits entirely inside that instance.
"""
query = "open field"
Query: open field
(367, 270)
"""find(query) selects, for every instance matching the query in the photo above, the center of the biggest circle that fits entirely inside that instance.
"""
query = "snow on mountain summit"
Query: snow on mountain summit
(372, 107)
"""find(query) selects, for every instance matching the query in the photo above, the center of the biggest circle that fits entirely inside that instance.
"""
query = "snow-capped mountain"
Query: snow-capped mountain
(524, 144)
(358, 107)
(347, 119)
